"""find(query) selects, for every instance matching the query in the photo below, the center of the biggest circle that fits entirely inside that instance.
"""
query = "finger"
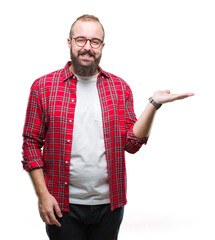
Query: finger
(181, 96)
(185, 95)
(49, 218)
(57, 210)
(42, 217)
(53, 220)
(46, 219)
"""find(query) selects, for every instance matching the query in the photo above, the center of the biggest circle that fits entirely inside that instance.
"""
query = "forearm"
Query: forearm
(143, 125)
(38, 180)
(47, 203)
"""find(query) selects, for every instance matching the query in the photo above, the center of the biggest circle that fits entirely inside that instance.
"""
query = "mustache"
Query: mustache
(86, 52)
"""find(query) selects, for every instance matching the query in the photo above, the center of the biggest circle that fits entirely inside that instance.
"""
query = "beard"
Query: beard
(85, 70)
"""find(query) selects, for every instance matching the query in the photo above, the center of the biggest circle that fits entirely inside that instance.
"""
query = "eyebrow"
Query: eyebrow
(90, 38)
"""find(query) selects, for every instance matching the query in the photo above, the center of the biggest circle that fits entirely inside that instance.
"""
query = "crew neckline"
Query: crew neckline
(87, 79)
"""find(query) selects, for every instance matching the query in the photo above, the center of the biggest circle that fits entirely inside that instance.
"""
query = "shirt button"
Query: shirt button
(66, 162)
(68, 140)
(70, 120)
(73, 100)
(65, 183)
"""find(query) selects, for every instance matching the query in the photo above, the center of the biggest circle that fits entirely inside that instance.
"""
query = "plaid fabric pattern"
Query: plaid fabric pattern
(49, 126)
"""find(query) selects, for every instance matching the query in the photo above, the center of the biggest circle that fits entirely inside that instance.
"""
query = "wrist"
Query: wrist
(43, 195)
(155, 103)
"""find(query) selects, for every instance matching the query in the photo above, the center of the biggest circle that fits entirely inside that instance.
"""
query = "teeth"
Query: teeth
(88, 54)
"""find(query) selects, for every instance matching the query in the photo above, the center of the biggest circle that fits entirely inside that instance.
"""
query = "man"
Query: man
(83, 118)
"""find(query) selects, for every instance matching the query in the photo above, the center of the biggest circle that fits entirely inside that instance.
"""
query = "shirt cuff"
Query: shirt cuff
(137, 140)
(29, 165)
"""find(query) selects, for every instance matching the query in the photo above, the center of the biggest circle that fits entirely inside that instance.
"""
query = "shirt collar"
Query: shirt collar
(66, 73)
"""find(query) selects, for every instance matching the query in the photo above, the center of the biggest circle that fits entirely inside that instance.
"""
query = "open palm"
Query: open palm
(161, 97)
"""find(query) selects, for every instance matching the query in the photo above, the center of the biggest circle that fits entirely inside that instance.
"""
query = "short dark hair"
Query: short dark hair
(87, 17)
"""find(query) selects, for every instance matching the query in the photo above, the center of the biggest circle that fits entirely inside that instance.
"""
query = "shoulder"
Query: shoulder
(117, 81)
(115, 78)
(47, 80)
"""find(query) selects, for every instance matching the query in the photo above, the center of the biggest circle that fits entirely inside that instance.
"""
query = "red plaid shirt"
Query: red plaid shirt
(48, 131)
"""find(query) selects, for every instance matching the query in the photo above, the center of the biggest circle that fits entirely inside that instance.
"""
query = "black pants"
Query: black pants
(86, 222)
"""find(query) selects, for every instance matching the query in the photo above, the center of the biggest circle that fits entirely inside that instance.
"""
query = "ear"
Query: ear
(69, 42)
(103, 44)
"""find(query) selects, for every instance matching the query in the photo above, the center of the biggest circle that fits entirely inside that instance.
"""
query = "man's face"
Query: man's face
(85, 59)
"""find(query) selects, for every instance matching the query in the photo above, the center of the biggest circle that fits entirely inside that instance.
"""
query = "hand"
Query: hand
(161, 97)
(47, 206)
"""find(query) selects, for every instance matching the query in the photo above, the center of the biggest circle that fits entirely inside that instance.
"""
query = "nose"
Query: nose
(87, 46)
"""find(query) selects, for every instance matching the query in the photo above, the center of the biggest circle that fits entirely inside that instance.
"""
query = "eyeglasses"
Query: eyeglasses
(82, 41)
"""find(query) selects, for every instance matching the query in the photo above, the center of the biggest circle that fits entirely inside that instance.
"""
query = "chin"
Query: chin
(86, 63)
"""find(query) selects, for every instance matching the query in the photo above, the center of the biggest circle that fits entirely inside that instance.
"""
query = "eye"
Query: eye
(95, 42)
(80, 40)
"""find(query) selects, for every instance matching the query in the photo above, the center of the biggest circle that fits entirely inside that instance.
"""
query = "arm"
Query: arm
(47, 203)
(34, 135)
(132, 142)
(143, 125)
(34, 132)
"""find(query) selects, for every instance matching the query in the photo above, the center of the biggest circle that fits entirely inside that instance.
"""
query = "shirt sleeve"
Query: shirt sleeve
(34, 132)
(133, 143)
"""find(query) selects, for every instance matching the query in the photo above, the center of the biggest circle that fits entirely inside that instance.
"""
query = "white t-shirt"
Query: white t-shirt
(88, 166)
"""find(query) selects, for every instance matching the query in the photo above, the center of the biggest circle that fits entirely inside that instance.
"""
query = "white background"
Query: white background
(153, 45)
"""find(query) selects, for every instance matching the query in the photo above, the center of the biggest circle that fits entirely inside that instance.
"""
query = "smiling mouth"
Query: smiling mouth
(87, 54)
(86, 58)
